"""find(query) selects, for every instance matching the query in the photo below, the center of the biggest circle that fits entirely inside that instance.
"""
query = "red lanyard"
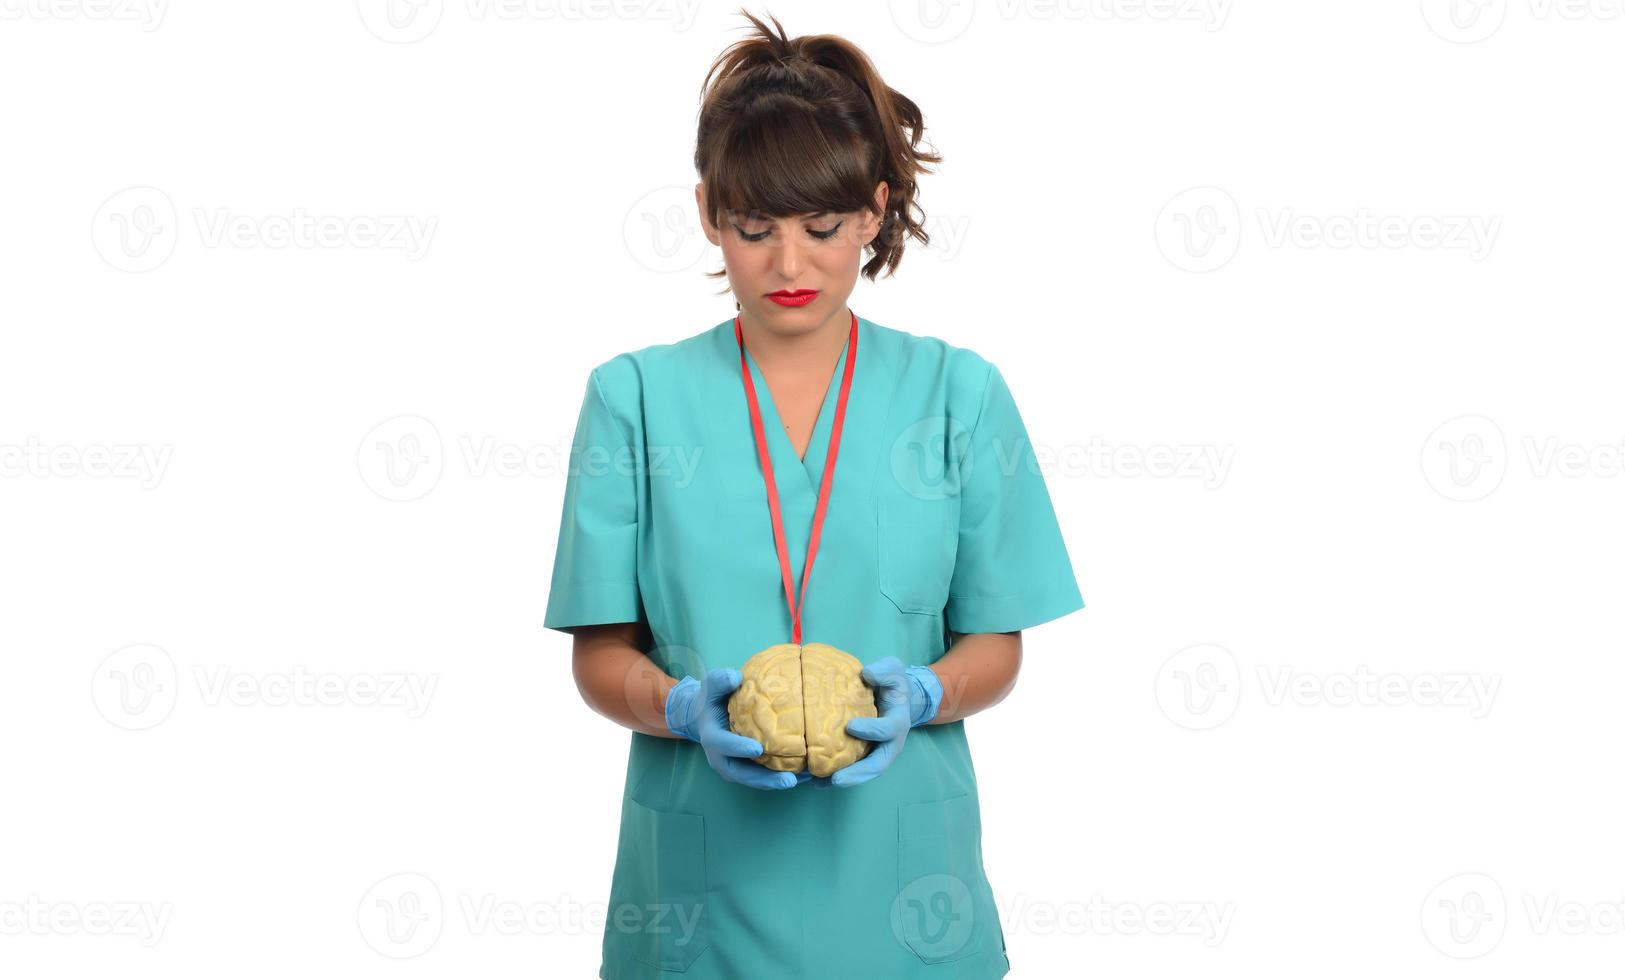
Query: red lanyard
(766, 461)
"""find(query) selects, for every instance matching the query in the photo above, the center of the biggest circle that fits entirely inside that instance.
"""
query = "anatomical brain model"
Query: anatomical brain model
(796, 701)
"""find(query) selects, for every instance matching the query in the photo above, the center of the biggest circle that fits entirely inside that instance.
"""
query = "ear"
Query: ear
(872, 220)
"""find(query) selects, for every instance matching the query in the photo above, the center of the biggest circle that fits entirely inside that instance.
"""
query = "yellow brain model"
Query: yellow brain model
(796, 701)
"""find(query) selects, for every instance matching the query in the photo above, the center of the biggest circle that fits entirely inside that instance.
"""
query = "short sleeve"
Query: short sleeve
(595, 576)
(1012, 570)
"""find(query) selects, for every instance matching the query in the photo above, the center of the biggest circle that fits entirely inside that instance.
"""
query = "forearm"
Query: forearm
(619, 681)
(977, 672)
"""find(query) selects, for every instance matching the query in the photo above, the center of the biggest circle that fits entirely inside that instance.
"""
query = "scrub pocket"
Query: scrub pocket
(944, 909)
(917, 543)
(657, 908)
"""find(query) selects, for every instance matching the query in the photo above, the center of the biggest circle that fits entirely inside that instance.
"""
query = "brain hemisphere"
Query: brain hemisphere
(796, 701)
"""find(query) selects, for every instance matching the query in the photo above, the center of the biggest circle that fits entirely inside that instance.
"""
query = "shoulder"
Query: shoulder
(963, 372)
(621, 379)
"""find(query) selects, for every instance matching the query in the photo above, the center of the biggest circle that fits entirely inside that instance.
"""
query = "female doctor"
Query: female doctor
(798, 467)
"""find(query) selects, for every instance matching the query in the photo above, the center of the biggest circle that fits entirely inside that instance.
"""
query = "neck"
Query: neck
(774, 349)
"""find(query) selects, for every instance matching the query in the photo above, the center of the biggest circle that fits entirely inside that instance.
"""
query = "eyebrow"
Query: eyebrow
(735, 212)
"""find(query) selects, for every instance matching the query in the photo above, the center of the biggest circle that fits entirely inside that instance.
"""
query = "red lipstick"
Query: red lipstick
(793, 297)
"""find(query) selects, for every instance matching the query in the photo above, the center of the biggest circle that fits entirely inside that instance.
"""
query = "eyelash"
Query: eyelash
(822, 236)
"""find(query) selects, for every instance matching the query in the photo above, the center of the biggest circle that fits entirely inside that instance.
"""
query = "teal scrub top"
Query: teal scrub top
(939, 521)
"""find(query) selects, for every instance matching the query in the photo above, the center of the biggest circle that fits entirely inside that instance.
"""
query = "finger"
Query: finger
(864, 769)
(885, 667)
(732, 744)
(721, 682)
(755, 776)
(882, 729)
(894, 700)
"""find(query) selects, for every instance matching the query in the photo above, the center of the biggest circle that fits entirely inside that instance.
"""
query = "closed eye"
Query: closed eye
(822, 235)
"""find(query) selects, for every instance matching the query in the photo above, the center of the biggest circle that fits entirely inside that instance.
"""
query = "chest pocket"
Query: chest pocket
(917, 543)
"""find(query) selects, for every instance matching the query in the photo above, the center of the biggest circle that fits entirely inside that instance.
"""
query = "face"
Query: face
(764, 256)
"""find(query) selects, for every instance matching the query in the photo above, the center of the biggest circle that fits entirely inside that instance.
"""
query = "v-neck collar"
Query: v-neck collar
(779, 445)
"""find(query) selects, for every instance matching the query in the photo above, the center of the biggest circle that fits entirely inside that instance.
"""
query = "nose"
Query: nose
(790, 258)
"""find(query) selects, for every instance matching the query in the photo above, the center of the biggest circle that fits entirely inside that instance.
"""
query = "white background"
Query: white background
(1155, 802)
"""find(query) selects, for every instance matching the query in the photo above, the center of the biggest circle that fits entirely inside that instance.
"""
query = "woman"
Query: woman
(933, 544)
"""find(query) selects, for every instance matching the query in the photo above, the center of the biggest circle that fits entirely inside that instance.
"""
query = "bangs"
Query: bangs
(779, 162)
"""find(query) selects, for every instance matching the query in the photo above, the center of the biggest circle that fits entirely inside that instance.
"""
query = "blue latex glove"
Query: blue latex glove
(905, 698)
(698, 711)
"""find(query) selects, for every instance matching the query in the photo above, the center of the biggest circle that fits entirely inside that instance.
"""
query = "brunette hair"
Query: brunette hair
(801, 125)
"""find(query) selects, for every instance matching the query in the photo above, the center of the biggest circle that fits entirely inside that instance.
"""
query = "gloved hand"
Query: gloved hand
(698, 711)
(905, 699)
